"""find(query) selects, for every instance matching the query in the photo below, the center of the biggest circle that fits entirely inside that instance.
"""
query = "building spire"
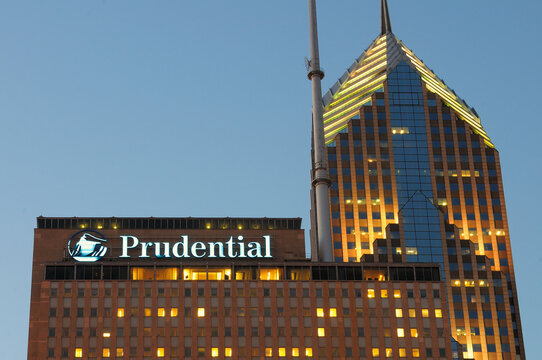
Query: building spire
(385, 15)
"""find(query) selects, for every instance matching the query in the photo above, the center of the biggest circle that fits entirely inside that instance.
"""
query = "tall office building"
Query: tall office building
(224, 288)
(416, 178)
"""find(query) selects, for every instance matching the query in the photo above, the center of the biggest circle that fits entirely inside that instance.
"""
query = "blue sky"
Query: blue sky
(202, 108)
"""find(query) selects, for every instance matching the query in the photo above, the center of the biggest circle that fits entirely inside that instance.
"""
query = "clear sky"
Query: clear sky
(203, 108)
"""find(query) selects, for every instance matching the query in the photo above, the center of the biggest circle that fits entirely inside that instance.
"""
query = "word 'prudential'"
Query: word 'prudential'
(198, 249)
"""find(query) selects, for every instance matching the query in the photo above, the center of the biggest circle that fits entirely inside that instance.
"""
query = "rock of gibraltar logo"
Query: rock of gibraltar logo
(90, 246)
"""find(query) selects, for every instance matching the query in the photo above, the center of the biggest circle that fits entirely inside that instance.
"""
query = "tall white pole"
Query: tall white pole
(320, 180)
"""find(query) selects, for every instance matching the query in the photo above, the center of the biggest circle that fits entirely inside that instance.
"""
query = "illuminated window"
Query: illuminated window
(268, 352)
(389, 353)
(220, 274)
(438, 313)
(214, 352)
(174, 312)
(106, 334)
(469, 283)
(167, 273)
(460, 331)
(376, 352)
(161, 312)
(78, 353)
(456, 283)
(308, 351)
(120, 352)
(402, 352)
(320, 312)
(106, 353)
(332, 312)
(295, 352)
(400, 130)
(148, 312)
(201, 312)
(411, 251)
(425, 313)
(398, 313)
(383, 293)
(484, 283)
(370, 293)
(397, 294)
(400, 332)
(141, 273)
(282, 352)
(321, 332)
(411, 313)
(244, 274)
(120, 312)
(414, 333)
(415, 352)
(160, 352)
(203, 274)
(228, 352)
(270, 274)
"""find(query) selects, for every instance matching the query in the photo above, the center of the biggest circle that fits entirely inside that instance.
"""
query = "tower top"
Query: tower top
(385, 17)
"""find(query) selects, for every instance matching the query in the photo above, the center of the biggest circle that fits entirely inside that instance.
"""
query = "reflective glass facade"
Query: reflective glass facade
(412, 156)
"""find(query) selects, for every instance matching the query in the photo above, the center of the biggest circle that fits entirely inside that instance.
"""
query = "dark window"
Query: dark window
(88, 272)
(59, 273)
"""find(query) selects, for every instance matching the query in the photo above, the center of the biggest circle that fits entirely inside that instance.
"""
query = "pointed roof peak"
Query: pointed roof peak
(385, 17)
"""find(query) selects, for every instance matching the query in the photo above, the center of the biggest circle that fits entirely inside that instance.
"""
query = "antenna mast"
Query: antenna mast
(320, 178)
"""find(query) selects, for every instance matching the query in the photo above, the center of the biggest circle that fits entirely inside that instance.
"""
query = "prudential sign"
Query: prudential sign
(91, 247)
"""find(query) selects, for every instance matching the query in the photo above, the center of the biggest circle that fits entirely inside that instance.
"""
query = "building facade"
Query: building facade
(405, 151)
(112, 288)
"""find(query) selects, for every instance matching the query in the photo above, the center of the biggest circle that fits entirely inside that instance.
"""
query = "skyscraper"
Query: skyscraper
(416, 178)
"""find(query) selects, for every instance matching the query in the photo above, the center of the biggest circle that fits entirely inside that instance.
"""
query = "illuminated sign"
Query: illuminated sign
(91, 248)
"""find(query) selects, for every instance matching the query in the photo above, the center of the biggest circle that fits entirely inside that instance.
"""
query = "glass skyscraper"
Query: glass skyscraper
(415, 178)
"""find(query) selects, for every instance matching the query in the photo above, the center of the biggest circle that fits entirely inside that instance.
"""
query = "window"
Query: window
(400, 332)
(106, 352)
(78, 352)
(397, 294)
(268, 352)
(425, 313)
(389, 352)
(148, 312)
(321, 332)
(412, 313)
(161, 312)
(414, 333)
(228, 352)
(295, 352)
(438, 313)
(376, 352)
(174, 312)
(398, 313)
(415, 352)
(201, 312)
(370, 293)
(120, 312)
(214, 352)
(308, 351)
(332, 312)
(383, 293)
